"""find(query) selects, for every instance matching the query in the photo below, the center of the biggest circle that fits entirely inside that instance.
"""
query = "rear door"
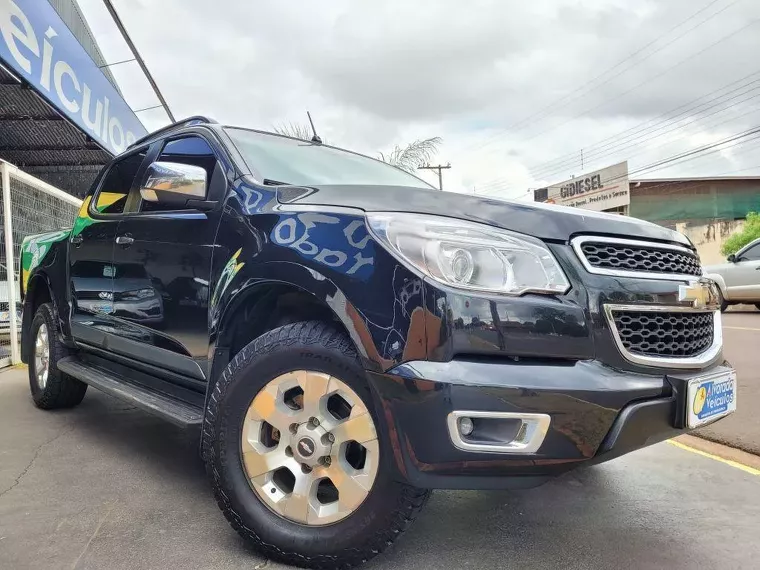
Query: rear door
(743, 276)
(162, 266)
(91, 247)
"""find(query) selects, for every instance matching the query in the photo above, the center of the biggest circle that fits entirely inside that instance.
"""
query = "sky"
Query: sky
(523, 94)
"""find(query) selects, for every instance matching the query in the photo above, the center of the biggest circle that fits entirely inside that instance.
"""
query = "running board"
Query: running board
(176, 411)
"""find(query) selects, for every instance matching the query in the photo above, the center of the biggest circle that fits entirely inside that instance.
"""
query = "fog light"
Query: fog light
(466, 426)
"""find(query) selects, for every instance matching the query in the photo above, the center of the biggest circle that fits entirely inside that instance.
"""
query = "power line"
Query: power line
(138, 58)
(687, 156)
(643, 129)
(588, 85)
(724, 38)
(647, 137)
(500, 182)
(658, 165)
(665, 114)
(728, 36)
(748, 147)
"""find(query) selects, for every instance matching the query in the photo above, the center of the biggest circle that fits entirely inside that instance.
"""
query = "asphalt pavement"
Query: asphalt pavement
(106, 486)
(741, 347)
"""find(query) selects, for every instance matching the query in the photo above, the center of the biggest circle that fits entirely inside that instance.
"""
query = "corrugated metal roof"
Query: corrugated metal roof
(34, 137)
(696, 179)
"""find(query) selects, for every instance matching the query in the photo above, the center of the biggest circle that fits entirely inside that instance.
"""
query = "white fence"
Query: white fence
(28, 206)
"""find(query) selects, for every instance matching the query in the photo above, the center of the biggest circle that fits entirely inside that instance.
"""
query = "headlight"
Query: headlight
(144, 293)
(469, 255)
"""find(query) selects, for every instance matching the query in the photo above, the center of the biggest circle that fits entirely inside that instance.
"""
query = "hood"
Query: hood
(545, 221)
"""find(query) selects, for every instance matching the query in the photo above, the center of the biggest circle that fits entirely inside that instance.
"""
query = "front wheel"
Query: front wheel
(722, 301)
(291, 444)
(50, 387)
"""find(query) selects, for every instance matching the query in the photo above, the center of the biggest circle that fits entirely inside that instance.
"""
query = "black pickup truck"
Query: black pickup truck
(347, 337)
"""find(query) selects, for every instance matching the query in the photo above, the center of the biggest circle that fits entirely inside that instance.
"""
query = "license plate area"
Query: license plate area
(711, 397)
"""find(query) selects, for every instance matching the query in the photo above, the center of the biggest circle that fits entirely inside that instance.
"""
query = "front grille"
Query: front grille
(640, 258)
(664, 334)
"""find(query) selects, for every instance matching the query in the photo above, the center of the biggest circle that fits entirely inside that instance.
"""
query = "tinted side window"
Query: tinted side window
(752, 254)
(189, 150)
(113, 193)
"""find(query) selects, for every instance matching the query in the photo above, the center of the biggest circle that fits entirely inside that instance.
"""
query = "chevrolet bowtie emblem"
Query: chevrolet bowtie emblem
(700, 293)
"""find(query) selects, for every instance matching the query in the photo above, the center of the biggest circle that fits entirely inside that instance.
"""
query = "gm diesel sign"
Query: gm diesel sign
(600, 190)
(37, 46)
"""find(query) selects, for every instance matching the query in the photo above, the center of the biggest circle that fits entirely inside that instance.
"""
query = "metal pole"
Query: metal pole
(10, 263)
(139, 59)
(439, 169)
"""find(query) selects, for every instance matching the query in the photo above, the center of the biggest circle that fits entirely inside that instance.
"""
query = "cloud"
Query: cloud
(480, 74)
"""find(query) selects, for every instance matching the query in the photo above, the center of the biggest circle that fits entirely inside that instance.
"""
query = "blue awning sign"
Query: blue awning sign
(37, 46)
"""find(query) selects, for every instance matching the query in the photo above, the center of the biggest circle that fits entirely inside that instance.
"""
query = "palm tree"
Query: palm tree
(406, 158)
(295, 130)
(412, 155)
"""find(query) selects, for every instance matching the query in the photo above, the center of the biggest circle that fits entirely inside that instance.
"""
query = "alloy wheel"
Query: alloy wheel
(42, 356)
(310, 448)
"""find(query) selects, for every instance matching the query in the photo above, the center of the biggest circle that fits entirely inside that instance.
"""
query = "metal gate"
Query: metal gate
(28, 206)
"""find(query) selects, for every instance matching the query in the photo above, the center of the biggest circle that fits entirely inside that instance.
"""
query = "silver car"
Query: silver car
(739, 278)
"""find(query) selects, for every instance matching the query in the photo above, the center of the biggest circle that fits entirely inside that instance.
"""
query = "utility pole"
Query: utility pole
(439, 168)
(139, 59)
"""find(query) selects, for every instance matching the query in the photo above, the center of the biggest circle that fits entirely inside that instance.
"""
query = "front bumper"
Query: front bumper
(597, 413)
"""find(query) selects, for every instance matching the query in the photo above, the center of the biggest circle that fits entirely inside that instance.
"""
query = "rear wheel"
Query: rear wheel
(291, 444)
(50, 387)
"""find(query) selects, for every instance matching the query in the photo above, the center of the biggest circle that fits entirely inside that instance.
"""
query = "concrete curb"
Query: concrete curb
(720, 450)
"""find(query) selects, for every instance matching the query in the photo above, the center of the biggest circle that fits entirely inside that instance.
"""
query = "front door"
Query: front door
(162, 266)
(91, 246)
(743, 276)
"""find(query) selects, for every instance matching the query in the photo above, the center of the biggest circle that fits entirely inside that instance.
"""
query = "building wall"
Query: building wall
(708, 237)
(707, 211)
(668, 202)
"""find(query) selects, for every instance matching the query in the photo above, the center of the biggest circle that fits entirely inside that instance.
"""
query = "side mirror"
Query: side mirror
(174, 184)
(731, 258)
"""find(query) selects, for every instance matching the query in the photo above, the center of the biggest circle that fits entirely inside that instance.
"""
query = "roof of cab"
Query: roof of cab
(189, 122)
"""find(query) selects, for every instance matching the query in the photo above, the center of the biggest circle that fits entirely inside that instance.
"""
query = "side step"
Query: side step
(176, 411)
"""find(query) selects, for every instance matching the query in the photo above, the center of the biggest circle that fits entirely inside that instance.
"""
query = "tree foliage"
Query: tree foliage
(750, 232)
(412, 155)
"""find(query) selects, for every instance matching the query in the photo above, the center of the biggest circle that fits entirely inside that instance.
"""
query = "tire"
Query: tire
(57, 390)
(387, 510)
(723, 302)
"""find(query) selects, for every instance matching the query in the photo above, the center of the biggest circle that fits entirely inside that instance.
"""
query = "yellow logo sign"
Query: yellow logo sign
(699, 400)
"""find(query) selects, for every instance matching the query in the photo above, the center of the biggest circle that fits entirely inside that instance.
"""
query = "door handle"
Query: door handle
(76, 240)
(125, 240)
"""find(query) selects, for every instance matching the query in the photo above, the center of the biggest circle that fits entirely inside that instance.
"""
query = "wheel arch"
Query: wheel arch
(266, 305)
(37, 292)
(261, 305)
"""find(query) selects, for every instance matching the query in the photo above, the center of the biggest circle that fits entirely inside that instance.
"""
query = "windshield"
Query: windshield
(283, 160)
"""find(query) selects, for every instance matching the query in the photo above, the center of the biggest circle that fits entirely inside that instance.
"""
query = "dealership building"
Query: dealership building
(706, 209)
(62, 115)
